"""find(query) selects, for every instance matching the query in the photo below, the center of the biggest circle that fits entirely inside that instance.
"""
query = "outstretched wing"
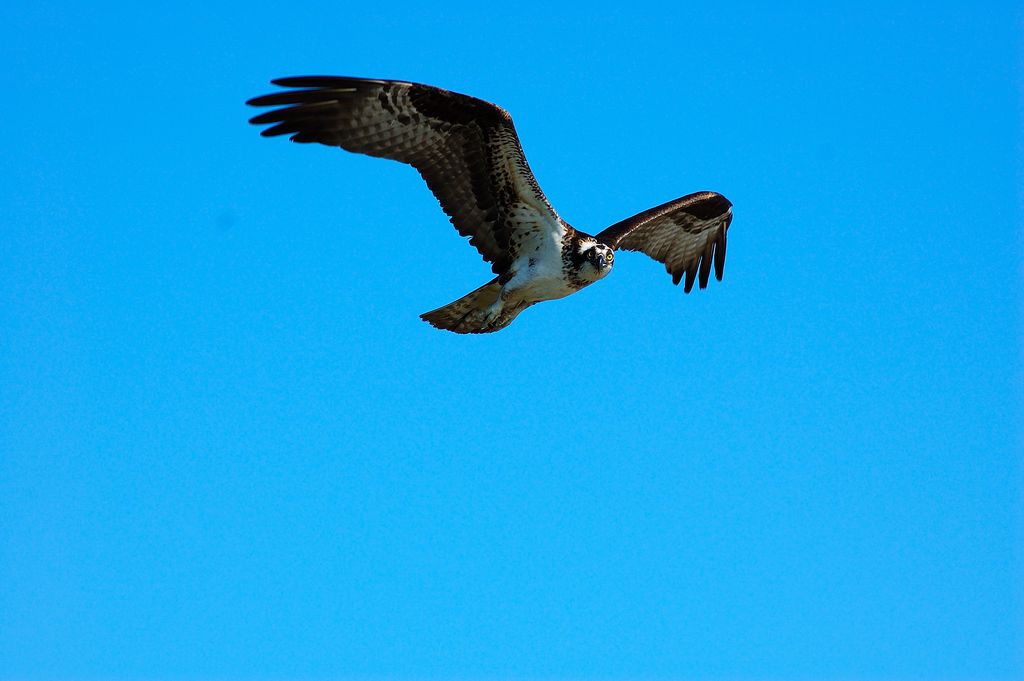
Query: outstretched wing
(687, 234)
(465, 148)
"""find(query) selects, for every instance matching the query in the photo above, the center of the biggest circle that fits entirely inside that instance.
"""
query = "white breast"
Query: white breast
(539, 277)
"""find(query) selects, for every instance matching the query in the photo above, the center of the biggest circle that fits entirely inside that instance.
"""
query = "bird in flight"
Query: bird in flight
(468, 152)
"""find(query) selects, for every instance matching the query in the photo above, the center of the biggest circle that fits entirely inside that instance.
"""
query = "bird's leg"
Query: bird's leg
(494, 309)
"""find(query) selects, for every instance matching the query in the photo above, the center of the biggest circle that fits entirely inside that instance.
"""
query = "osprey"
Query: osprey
(469, 154)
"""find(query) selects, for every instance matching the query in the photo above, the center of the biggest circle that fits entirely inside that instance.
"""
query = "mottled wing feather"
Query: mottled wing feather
(688, 235)
(466, 149)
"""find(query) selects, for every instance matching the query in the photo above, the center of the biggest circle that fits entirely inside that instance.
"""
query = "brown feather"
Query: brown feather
(720, 254)
(687, 234)
(705, 264)
(465, 149)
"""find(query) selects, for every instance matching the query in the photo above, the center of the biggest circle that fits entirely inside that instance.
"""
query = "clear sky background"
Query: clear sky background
(229, 448)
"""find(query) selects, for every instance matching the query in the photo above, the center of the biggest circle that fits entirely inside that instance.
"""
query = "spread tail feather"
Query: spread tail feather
(474, 312)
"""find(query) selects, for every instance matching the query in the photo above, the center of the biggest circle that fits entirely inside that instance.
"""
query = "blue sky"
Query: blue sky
(229, 449)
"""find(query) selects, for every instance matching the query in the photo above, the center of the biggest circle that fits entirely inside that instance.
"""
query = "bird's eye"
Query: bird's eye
(608, 257)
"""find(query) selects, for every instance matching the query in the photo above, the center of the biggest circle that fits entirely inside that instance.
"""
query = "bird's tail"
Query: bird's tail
(470, 313)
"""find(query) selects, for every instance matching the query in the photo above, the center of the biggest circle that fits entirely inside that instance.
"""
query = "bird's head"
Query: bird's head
(595, 259)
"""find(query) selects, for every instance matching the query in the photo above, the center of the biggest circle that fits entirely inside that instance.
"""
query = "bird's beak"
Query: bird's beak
(600, 262)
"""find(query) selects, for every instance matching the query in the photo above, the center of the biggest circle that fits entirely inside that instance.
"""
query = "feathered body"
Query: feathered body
(469, 154)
